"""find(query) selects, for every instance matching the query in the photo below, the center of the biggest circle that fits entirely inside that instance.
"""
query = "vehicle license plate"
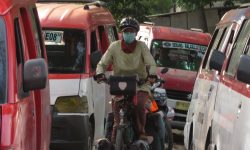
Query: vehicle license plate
(53, 36)
(182, 105)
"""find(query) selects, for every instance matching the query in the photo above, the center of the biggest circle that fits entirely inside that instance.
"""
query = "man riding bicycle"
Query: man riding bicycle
(130, 57)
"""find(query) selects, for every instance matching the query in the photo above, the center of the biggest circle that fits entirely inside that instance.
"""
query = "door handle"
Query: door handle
(239, 110)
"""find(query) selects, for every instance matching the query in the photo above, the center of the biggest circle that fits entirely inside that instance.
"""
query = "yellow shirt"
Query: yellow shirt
(128, 63)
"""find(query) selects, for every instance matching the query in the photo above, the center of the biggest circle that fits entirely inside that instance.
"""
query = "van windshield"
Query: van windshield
(66, 50)
(177, 55)
(3, 61)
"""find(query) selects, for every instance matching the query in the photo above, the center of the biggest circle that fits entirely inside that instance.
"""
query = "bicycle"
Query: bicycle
(124, 87)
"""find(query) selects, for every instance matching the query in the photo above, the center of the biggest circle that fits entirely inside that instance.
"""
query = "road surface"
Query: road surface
(178, 140)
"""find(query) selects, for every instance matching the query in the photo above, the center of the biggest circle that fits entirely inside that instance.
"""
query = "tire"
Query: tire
(168, 145)
(120, 141)
(90, 138)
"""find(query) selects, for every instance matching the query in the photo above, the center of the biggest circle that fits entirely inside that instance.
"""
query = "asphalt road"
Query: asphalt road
(178, 139)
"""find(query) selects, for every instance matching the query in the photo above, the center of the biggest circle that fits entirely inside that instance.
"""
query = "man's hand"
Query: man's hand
(100, 77)
(152, 79)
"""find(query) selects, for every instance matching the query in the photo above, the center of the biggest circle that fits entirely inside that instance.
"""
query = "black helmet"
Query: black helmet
(129, 22)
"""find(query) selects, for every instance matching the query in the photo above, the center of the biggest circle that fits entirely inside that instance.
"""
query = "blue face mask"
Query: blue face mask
(128, 37)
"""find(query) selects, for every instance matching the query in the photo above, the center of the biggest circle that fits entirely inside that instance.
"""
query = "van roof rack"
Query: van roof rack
(244, 5)
(79, 1)
(196, 29)
(87, 3)
(150, 23)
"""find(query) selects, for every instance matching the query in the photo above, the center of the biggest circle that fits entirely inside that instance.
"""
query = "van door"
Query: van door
(241, 136)
(42, 99)
(206, 86)
(98, 93)
(25, 103)
(106, 34)
(229, 102)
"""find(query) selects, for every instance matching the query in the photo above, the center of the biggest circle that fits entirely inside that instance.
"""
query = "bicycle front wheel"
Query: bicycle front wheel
(120, 139)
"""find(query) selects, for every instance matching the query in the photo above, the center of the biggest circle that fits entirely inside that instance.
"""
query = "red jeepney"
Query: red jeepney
(181, 51)
(25, 118)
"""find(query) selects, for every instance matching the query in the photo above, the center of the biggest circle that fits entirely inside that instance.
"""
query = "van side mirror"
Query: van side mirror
(35, 74)
(216, 60)
(243, 71)
(164, 70)
(95, 57)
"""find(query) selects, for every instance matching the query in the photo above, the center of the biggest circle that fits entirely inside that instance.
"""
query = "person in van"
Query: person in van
(129, 57)
(80, 49)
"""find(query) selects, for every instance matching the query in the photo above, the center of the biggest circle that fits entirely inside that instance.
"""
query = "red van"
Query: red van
(74, 33)
(25, 118)
(181, 51)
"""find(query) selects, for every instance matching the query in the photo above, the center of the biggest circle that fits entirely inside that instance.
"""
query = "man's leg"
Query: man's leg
(140, 111)
(116, 109)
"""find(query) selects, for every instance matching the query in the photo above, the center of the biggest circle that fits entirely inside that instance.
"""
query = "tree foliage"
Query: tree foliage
(138, 9)
(194, 4)
(198, 4)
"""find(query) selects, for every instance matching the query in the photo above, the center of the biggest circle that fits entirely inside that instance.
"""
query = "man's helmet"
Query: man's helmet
(129, 22)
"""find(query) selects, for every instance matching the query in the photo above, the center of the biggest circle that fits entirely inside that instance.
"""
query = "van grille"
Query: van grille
(178, 95)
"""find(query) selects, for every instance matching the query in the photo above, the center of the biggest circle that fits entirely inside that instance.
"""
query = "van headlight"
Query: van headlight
(71, 104)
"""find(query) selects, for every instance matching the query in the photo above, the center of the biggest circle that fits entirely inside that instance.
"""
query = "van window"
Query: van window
(19, 60)
(238, 48)
(37, 31)
(3, 62)
(94, 45)
(66, 50)
(178, 55)
(217, 37)
(112, 34)
(103, 38)
(30, 27)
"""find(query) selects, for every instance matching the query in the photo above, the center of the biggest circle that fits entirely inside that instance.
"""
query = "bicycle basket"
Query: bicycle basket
(122, 85)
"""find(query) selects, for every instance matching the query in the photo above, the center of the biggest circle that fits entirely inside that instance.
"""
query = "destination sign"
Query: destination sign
(188, 46)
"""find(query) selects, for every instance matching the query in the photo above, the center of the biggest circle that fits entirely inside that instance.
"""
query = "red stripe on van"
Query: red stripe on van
(239, 87)
(69, 76)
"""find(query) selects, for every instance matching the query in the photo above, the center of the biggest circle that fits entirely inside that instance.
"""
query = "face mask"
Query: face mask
(128, 37)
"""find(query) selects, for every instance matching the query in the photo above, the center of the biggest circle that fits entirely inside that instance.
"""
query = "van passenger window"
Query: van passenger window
(94, 46)
(103, 38)
(215, 44)
(37, 31)
(19, 59)
(66, 50)
(28, 34)
(247, 49)
(3, 62)
(238, 48)
(112, 34)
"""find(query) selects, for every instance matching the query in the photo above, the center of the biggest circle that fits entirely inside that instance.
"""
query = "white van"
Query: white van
(218, 114)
